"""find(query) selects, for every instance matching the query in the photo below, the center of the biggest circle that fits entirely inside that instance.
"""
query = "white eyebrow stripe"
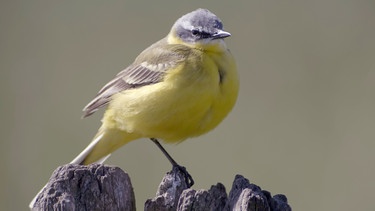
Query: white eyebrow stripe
(187, 25)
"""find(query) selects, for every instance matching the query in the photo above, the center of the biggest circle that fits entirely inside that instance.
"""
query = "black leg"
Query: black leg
(188, 178)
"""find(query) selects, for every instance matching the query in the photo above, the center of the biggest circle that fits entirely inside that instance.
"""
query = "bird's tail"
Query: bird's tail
(104, 143)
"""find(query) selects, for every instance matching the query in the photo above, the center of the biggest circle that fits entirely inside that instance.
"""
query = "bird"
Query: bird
(180, 87)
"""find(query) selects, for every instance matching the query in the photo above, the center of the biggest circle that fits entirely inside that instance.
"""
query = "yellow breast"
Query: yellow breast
(193, 98)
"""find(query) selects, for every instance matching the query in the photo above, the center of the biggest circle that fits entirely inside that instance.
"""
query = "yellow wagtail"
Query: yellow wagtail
(181, 86)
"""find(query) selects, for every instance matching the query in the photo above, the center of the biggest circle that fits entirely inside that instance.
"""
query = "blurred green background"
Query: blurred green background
(304, 123)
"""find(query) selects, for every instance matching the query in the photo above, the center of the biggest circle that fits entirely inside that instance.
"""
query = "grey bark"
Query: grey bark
(101, 187)
(93, 187)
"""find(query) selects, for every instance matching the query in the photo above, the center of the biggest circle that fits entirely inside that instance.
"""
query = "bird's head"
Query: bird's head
(200, 28)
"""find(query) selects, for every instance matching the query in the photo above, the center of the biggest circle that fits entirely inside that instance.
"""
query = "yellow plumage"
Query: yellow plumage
(198, 88)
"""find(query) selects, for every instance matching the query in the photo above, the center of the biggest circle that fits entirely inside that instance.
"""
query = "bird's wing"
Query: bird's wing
(149, 68)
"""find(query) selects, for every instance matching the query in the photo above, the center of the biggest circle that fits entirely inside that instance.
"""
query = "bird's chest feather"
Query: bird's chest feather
(191, 100)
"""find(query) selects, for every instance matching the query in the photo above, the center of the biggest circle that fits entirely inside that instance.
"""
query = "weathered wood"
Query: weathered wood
(168, 193)
(93, 187)
(247, 196)
(243, 196)
(101, 187)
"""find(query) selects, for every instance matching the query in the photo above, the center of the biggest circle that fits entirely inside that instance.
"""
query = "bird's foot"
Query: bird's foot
(188, 178)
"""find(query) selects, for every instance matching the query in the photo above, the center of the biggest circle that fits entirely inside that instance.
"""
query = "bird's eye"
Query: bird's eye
(195, 32)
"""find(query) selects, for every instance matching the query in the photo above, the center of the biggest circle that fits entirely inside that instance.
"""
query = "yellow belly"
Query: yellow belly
(189, 101)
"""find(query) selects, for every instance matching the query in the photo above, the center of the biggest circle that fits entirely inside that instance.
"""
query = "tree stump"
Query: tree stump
(103, 187)
(93, 187)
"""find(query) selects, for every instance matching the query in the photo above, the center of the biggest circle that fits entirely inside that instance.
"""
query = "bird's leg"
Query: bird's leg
(188, 178)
